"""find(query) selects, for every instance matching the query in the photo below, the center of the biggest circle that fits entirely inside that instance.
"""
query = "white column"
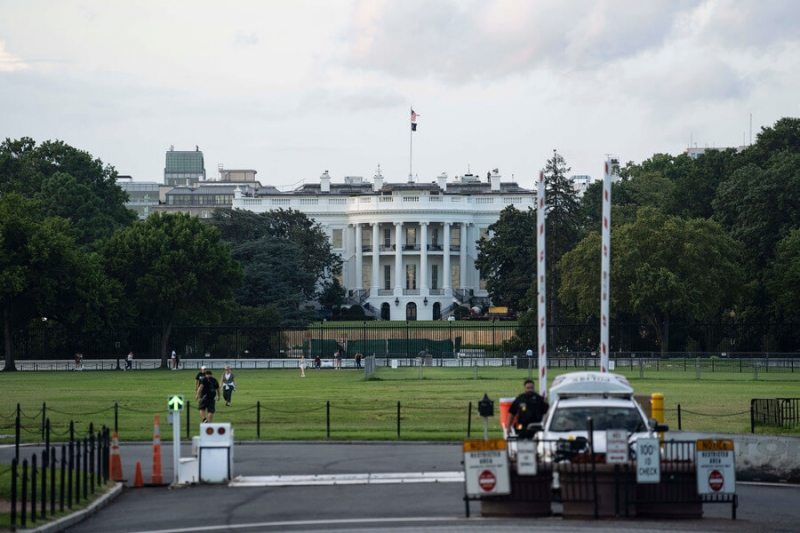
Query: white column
(398, 258)
(446, 275)
(462, 256)
(359, 260)
(376, 260)
(423, 258)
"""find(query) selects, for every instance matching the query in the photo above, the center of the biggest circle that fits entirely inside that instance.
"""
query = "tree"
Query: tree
(661, 267)
(694, 191)
(68, 183)
(507, 261)
(784, 283)
(287, 259)
(562, 227)
(333, 296)
(173, 267)
(44, 274)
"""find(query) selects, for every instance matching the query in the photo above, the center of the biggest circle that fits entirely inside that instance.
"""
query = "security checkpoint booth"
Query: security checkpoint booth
(215, 452)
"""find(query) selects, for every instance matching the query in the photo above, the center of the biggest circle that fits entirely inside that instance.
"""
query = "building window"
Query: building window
(455, 276)
(434, 276)
(366, 240)
(455, 237)
(387, 237)
(411, 276)
(338, 238)
(411, 237)
(435, 237)
(387, 277)
(366, 276)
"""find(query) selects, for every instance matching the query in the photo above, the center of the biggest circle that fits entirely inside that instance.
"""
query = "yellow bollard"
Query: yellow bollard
(657, 406)
(657, 410)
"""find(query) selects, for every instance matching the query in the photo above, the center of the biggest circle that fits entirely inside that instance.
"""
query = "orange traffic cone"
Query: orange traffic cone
(157, 478)
(114, 460)
(137, 480)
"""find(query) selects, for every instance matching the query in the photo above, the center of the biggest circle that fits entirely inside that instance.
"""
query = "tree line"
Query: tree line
(72, 254)
(711, 239)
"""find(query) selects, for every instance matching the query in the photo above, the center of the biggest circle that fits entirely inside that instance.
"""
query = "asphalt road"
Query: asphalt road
(436, 507)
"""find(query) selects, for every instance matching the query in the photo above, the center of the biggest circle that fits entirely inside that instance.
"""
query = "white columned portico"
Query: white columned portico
(398, 258)
(375, 285)
(462, 256)
(359, 259)
(446, 275)
(423, 258)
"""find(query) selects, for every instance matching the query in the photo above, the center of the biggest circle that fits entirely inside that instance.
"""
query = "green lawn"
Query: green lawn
(434, 407)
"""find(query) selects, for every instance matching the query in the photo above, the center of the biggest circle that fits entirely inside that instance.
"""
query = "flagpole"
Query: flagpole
(411, 148)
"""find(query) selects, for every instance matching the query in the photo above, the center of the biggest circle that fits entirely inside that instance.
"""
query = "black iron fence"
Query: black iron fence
(69, 478)
(774, 412)
(446, 339)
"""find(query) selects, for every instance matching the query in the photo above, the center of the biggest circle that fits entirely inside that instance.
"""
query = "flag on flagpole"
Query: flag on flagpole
(414, 120)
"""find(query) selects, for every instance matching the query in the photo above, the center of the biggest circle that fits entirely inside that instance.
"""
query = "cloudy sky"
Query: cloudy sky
(292, 88)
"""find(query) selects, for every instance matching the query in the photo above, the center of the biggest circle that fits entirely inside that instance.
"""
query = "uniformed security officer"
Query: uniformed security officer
(528, 408)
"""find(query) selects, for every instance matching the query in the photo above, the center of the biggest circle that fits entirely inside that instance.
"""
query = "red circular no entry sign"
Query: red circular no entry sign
(487, 480)
(715, 480)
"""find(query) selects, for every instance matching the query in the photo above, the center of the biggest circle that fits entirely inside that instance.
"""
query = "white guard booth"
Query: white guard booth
(215, 453)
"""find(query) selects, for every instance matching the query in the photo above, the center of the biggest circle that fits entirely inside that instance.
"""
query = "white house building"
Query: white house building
(408, 249)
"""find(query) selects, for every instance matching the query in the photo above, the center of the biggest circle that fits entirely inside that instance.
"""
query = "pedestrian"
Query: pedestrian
(302, 365)
(228, 385)
(174, 360)
(528, 408)
(317, 362)
(338, 359)
(200, 377)
(358, 358)
(129, 361)
(207, 394)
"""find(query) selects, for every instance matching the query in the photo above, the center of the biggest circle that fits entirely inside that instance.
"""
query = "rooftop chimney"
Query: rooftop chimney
(495, 179)
(325, 182)
(378, 180)
(442, 178)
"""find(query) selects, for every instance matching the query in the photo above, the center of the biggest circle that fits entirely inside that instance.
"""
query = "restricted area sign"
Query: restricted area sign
(648, 461)
(616, 446)
(175, 402)
(486, 467)
(716, 472)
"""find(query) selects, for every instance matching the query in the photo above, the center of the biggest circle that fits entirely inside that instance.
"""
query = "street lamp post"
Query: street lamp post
(732, 332)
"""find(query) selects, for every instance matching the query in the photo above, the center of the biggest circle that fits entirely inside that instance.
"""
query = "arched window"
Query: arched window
(411, 311)
(385, 310)
(437, 311)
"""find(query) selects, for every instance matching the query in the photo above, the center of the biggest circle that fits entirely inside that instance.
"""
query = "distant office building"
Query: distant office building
(184, 168)
(143, 196)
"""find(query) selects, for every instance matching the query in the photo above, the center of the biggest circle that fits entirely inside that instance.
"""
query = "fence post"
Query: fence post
(697, 368)
(71, 462)
(77, 471)
(258, 419)
(85, 468)
(188, 422)
(63, 476)
(18, 430)
(44, 416)
(328, 418)
(752, 415)
(469, 419)
(13, 523)
(679, 417)
(33, 489)
(24, 521)
(45, 462)
(116, 417)
(398, 419)
(53, 463)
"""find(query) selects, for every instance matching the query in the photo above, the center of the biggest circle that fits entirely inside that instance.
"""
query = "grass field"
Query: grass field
(434, 407)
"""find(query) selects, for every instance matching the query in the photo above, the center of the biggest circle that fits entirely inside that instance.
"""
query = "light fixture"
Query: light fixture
(397, 301)
(425, 301)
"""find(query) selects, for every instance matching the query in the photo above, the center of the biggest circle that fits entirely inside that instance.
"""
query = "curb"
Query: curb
(78, 516)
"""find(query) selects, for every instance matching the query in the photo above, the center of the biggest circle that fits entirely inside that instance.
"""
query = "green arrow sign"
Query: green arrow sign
(175, 402)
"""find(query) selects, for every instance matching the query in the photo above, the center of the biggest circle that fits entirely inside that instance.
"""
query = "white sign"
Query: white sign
(394, 363)
(526, 458)
(616, 446)
(648, 461)
(486, 467)
(716, 473)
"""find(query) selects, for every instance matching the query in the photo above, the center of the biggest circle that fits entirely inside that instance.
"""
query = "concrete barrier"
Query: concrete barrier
(758, 457)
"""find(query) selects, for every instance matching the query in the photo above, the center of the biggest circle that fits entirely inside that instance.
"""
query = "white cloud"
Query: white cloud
(9, 63)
